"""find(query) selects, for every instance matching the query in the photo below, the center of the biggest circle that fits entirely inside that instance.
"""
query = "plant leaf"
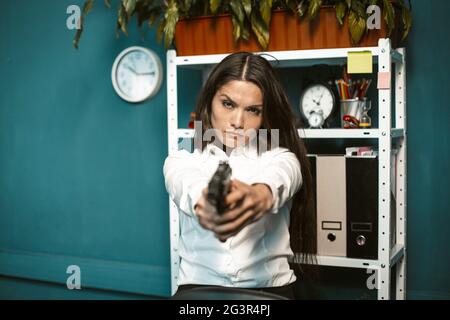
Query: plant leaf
(86, 9)
(359, 8)
(314, 7)
(356, 26)
(160, 30)
(389, 15)
(107, 3)
(302, 8)
(129, 6)
(122, 19)
(172, 18)
(238, 10)
(341, 10)
(214, 5)
(292, 5)
(236, 28)
(260, 29)
(265, 7)
(154, 13)
(238, 16)
(247, 5)
(407, 22)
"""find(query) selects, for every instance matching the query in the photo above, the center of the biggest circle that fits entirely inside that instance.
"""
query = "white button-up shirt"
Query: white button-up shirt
(257, 256)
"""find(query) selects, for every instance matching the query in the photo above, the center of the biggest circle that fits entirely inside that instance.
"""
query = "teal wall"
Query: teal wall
(428, 84)
(81, 170)
(81, 180)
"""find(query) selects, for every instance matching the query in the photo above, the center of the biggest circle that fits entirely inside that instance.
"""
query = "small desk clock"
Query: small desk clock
(317, 104)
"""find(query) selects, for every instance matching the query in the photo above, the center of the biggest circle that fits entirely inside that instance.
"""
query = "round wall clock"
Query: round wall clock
(137, 74)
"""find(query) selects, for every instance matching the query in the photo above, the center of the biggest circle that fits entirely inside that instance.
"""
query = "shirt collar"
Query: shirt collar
(250, 150)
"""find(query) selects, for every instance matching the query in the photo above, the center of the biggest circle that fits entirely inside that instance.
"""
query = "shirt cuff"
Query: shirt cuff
(276, 188)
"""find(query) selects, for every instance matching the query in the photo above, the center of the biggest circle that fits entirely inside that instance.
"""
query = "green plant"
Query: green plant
(247, 15)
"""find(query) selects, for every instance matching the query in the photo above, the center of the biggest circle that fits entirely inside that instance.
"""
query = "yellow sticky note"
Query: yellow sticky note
(359, 62)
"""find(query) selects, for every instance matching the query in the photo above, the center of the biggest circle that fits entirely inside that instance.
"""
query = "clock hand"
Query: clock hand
(320, 99)
(318, 103)
(146, 73)
(130, 68)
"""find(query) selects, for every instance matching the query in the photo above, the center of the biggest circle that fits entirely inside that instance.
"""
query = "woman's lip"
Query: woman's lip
(234, 134)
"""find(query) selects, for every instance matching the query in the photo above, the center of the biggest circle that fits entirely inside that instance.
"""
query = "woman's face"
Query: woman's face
(236, 108)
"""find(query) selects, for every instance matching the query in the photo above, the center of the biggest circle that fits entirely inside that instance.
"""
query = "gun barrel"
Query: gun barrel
(219, 186)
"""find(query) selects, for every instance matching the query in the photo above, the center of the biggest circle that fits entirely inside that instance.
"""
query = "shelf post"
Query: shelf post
(400, 122)
(172, 127)
(384, 171)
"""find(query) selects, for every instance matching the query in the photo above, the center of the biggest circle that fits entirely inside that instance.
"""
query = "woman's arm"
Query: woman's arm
(279, 180)
(184, 180)
(281, 171)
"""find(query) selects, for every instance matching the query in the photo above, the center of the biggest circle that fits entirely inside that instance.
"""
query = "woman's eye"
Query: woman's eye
(227, 104)
(256, 111)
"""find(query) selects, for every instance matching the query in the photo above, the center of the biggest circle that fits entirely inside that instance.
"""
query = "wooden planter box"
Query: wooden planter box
(214, 34)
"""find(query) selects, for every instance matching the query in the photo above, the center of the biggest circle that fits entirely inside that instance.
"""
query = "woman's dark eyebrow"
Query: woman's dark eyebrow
(228, 98)
(231, 100)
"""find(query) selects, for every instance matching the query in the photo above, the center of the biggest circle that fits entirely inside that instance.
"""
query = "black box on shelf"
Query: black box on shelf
(362, 207)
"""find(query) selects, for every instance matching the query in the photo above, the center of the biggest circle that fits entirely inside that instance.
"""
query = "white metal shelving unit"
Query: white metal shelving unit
(384, 56)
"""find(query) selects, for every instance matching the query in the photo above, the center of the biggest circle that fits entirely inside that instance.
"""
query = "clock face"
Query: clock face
(137, 74)
(317, 99)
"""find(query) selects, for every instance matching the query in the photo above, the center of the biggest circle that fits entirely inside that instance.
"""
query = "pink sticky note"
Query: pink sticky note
(384, 80)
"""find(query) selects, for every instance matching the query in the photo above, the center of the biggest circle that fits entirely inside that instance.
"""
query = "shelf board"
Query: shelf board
(397, 252)
(338, 133)
(291, 58)
(345, 262)
(323, 133)
(347, 133)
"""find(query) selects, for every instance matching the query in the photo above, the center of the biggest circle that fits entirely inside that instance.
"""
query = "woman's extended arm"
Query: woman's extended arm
(281, 171)
(184, 180)
(279, 180)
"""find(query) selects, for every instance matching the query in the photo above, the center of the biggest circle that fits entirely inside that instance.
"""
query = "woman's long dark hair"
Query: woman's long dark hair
(277, 114)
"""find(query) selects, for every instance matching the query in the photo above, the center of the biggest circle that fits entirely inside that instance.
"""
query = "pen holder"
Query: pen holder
(350, 113)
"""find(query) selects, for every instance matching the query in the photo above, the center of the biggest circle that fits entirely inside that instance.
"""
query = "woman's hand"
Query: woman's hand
(245, 204)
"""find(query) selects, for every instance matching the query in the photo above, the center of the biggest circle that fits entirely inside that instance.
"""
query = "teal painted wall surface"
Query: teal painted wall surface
(428, 83)
(81, 170)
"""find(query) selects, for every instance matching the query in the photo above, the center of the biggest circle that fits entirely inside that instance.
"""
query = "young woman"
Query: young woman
(270, 209)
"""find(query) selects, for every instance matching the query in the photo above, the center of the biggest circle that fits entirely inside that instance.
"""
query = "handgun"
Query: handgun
(219, 186)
